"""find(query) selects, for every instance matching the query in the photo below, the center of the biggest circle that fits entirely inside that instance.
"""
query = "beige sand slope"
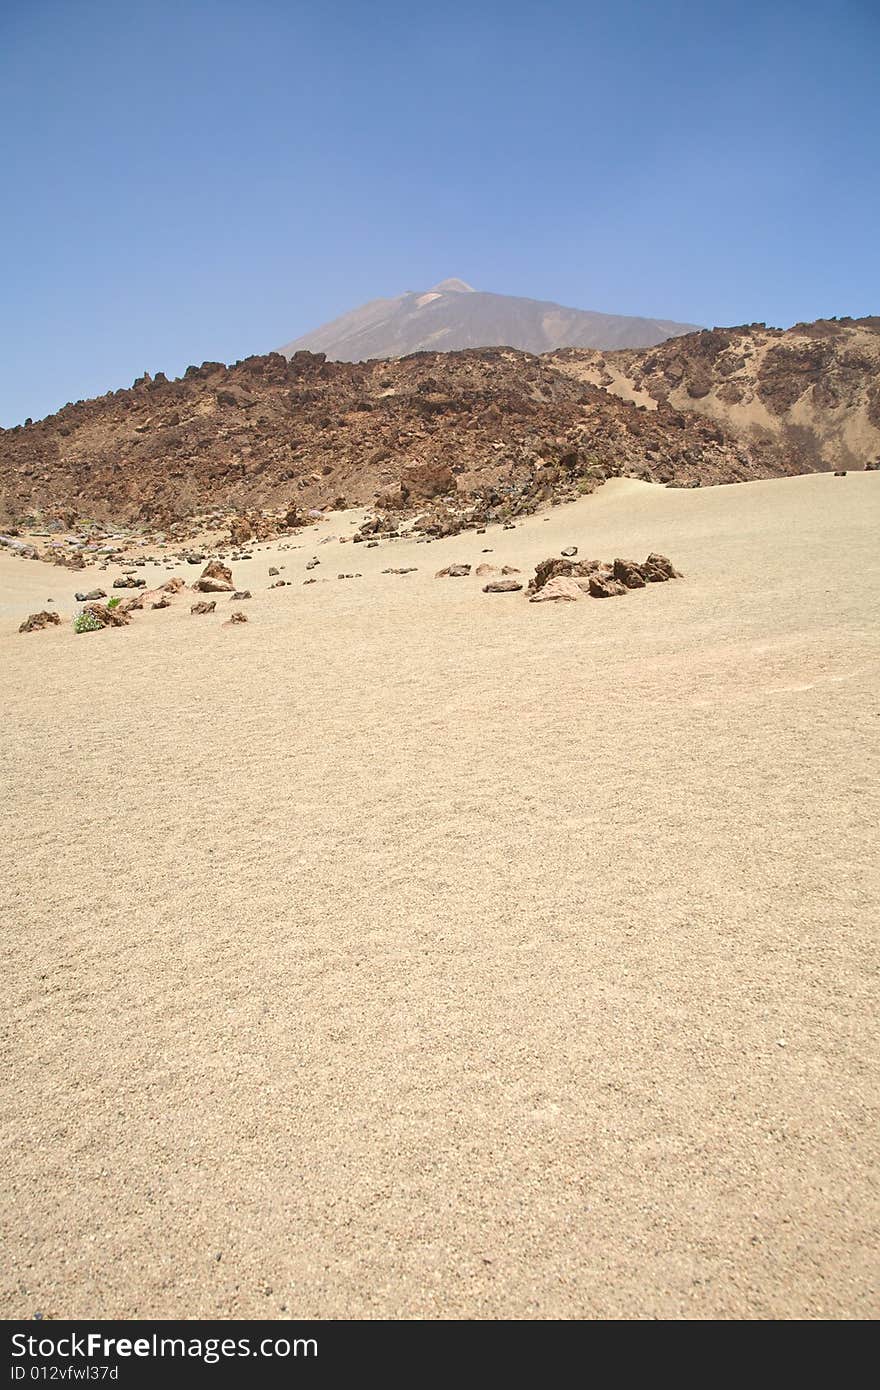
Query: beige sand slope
(416, 952)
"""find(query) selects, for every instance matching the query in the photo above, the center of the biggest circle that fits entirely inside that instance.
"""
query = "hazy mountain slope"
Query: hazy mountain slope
(814, 387)
(452, 315)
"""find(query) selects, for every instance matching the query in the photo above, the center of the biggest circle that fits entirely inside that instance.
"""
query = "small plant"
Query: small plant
(113, 602)
(87, 622)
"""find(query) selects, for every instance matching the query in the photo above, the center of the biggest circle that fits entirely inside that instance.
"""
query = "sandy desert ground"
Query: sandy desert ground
(415, 952)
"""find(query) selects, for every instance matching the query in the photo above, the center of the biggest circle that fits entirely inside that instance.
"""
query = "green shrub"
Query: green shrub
(87, 622)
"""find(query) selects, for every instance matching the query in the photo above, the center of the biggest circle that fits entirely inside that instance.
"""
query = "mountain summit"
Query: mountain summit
(454, 315)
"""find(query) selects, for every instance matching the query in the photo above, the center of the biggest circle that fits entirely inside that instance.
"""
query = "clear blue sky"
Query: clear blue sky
(191, 180)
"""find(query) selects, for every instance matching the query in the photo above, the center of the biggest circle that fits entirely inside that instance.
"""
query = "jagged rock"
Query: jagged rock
(604, 586)
(569, 551)
(502, 586)
(657, 568)
(550, 569)
(216, 578)
(453, 572)
(204, 607)
(163, 602)
(560, 587)
(130, 605)
(172, 586)
(128, 581)
(236, 618)
(37, 621)
(240, 595)
(628, 573)
(109, 617)
(272, 571)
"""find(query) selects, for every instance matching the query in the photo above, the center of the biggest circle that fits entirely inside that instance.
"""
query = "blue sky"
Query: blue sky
(207, 180)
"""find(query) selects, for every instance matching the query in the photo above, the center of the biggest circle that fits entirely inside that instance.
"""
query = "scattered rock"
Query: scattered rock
(216, 578)
(107, 616)
(604, 586)
(204, 607)
(273, 571)
(840, 472)
(163, 602)
(569, 551)
(453, 572)
(37, 621)
(485, 569)
(502, 586)
(236, 618)
(240, 595)
(91, 597)
(628, 573)
(560, 587)
(128, 581)
(657, 568)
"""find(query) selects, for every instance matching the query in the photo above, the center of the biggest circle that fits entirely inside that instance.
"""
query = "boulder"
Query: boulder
(92, 596)
(422, 481)
(560, 587)
(628, 573)
(37, 621)
(484, 569)
(110, 617)
(502, 586)
(657, 568)
(604, 586)
(550, 569)
(215, 578)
